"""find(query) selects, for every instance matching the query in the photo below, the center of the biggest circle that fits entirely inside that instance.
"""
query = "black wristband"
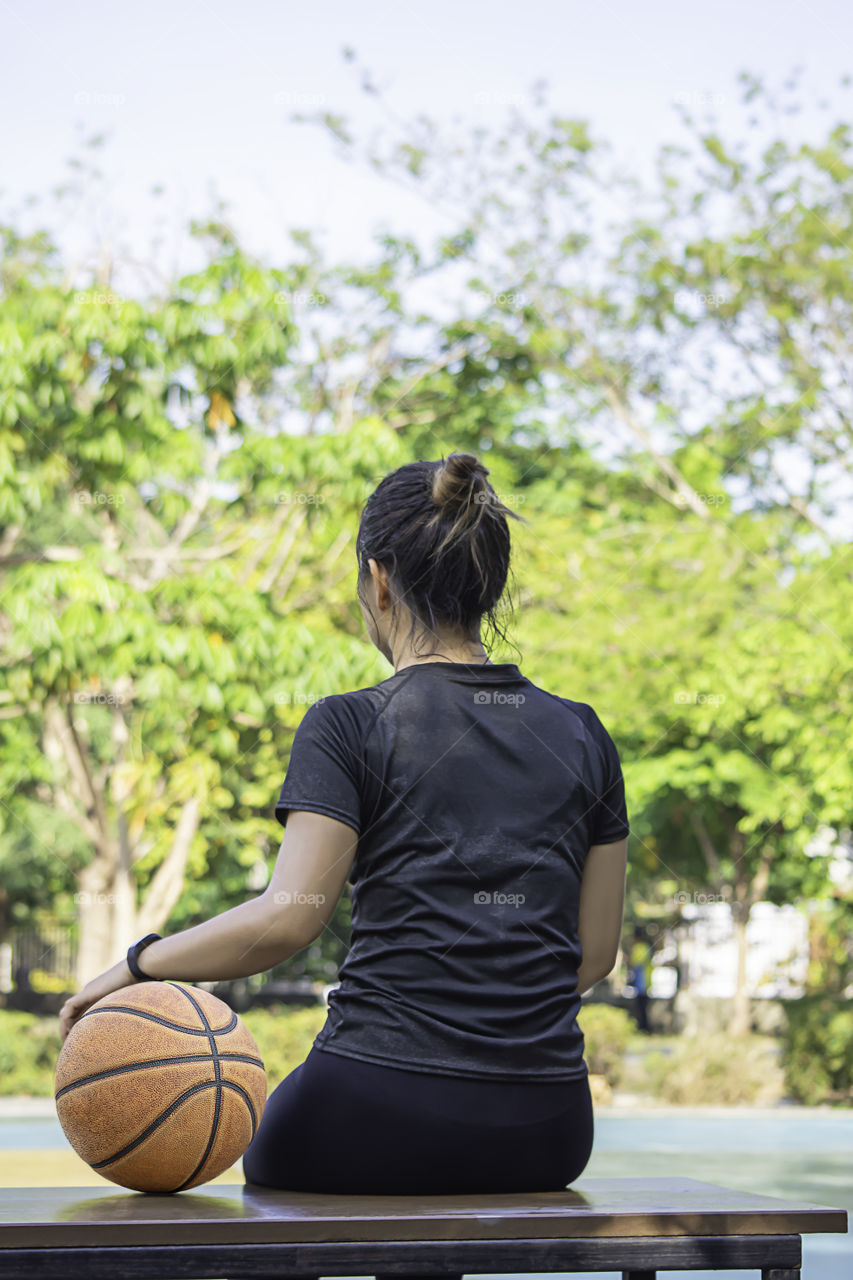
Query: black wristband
(133, 957)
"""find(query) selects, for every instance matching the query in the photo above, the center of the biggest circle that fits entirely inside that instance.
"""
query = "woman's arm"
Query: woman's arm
(239, 942)
(313, 864)
(246, 939)
(602, 907)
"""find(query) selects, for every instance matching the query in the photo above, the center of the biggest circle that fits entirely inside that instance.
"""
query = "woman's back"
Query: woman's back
(487, 883)
(476, 796)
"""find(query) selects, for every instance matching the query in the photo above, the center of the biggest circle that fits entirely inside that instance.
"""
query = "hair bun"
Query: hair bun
(457, 479)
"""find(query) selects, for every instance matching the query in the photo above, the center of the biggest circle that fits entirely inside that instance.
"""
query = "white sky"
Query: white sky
(194, 92)
(195, 95)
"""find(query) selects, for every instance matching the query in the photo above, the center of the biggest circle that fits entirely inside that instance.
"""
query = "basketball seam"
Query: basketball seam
(155, 1124)
(153, 1062)
(217, 1109)
(164, 1022)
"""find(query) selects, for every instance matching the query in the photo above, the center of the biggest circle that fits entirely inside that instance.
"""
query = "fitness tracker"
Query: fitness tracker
(133, 957)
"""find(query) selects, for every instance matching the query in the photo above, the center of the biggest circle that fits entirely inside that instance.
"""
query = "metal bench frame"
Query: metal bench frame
(633, 1225)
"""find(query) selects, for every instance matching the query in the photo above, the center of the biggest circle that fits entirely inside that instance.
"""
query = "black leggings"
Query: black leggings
(344, 1126)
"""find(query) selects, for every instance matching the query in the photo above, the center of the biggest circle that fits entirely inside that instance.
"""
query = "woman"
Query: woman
(640, 976)
(481, 822)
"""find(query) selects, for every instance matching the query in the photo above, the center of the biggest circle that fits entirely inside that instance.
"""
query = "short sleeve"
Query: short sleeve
(324, 772)
(610, 819)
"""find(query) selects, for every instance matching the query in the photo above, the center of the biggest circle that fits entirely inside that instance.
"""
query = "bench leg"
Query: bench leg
(640, 1275)
(426, 1275)
(780, 1273)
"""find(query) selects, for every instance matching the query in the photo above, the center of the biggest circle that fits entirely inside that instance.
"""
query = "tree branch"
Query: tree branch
(168, 880)
(288, 539)
(83, 808)
(761, 879)
(706, 844)
(622, 410)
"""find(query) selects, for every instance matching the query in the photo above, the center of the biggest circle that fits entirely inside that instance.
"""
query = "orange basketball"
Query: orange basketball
(160, 1087)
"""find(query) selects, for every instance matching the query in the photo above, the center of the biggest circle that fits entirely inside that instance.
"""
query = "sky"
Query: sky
(195, 96)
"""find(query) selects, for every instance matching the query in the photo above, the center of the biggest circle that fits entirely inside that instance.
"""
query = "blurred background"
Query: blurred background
(255, 257)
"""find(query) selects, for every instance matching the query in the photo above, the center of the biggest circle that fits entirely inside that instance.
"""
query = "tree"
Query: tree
(627, 326)
(165, 634)
(145, 615)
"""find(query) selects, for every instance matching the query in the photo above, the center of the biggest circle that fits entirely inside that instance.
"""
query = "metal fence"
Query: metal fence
(42, 958)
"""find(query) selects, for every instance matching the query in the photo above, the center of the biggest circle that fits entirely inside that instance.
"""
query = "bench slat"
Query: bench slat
(598, 1208)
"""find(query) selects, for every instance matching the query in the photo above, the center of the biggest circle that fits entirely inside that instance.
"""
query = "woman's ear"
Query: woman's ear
(380, 580)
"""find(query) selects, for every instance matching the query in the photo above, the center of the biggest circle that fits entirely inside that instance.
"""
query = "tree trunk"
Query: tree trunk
(109, 914)
(740, 904)
(747, 891)
(94, 900)
(123, 917)
(739, 1023)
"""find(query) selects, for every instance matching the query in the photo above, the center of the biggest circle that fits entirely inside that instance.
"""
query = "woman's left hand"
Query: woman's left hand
(75, 1006)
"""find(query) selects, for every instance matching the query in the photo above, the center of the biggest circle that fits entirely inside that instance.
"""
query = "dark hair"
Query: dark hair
(440, 531)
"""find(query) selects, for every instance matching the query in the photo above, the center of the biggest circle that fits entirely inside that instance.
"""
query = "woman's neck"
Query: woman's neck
(474, 657)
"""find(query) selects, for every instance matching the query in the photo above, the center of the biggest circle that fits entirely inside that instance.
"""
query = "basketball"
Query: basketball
(160, 1087)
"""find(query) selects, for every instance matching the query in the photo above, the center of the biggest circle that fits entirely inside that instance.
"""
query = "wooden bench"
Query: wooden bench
(634, 1225)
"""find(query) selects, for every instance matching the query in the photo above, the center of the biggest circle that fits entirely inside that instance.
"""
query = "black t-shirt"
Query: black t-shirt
(476, 796)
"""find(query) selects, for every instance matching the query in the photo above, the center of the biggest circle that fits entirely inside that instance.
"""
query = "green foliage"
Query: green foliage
(181, 478)
(830, 948)
(607, 1031)
(30, 1045)
(714, 1069)
(284, 1037)
(818, 1049)
(730, 631)
(29, 1048)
